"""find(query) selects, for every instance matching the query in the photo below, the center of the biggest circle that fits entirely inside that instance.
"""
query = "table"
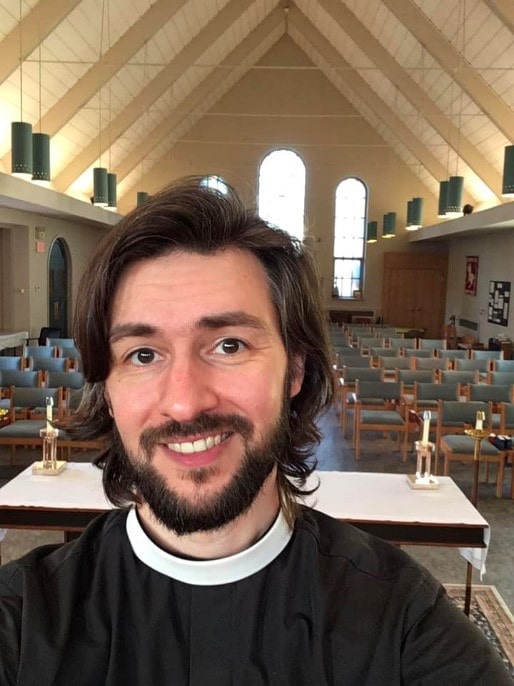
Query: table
(381, 504)
(9, 339)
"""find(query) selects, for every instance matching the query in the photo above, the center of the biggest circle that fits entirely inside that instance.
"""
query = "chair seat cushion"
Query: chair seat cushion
(382, 417)
(23, 428)
(465, 445)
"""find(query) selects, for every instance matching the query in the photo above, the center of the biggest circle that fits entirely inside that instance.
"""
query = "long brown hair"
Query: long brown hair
(189, 216)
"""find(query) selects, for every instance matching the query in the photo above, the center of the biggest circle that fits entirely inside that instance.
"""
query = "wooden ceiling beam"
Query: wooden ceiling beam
(35, 26)
(504, 10)
(385, 62)
(151, 92)
(364, 92)
(153, 177)
(454, 63)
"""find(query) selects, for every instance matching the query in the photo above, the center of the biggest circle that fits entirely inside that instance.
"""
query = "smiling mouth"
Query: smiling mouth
(200, 445)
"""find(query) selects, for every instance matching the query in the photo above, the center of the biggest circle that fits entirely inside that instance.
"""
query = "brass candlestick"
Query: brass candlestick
(49, 465)
(423, 478)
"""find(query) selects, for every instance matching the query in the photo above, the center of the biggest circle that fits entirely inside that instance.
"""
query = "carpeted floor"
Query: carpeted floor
(490, 613)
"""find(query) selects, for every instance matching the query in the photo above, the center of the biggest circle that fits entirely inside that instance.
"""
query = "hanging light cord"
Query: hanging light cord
(100, 89)
(21, 71)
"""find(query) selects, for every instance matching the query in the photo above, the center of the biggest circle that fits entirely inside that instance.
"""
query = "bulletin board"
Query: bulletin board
(499, 300)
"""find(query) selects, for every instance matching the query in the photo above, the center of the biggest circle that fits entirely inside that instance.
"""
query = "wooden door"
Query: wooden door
(414, 291)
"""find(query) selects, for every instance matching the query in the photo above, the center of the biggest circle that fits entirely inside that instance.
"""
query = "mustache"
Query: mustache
(218, 423)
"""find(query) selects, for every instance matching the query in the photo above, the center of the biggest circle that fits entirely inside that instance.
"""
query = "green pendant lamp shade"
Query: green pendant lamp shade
(100, 187)
(142, 196)
(372, 233)
(508, 172)
(409, 216)
(417, 213)
(443, 199)
(40, 157)
(21, 148)
(455, 193)
(389, 226)
(111, 191)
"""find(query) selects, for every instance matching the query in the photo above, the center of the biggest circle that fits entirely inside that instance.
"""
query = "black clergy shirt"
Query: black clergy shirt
(322, 604)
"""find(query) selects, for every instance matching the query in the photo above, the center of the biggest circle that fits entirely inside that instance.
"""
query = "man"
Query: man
(205, 352)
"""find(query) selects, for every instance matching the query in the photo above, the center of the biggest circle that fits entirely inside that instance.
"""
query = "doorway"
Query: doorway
(58, 275)
(414, 291)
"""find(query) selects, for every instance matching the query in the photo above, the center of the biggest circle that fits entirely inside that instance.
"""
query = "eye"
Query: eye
(143, 356)
(230, 346)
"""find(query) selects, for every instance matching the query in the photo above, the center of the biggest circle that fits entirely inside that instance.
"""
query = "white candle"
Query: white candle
(479, 425)
(49, 405)
(426, 427)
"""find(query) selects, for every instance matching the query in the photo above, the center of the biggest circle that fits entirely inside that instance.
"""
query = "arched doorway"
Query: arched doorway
(58, 287)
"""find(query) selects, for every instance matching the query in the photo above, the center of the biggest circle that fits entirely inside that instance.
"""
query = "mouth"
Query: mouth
(200, 445)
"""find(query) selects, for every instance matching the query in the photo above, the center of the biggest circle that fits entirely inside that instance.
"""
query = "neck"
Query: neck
(234, 537)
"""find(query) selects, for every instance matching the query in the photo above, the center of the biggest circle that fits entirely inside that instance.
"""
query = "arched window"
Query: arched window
(282, 191)
(215, 182)
(349, 238)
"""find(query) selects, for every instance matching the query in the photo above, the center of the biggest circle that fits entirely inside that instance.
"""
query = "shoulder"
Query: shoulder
(342, 543)
(46, 561)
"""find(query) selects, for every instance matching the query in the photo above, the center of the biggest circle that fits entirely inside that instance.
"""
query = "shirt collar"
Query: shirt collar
(225, 570)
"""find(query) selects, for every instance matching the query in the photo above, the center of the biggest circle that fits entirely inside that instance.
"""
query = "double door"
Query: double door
(414, 291)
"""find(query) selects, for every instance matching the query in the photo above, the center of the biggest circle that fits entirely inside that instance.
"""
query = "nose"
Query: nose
(186, 389)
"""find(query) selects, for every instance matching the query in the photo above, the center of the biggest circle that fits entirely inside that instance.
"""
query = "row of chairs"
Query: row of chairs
(27, 416)
(55, 364)
(426, 388)
(383, 407)
(30, 378)
(373, 354)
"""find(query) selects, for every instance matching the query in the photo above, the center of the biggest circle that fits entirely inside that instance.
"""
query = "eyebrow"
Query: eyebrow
(210, 322)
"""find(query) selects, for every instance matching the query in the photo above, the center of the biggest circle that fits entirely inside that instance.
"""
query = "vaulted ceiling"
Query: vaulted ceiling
(119, 82)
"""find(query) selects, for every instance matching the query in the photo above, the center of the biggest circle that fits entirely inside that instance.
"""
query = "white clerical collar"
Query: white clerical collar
(225, 570)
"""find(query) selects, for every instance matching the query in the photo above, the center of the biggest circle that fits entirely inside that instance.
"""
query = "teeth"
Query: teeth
(189, 447)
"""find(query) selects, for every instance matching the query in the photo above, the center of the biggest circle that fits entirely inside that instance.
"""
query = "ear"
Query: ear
(297, 375)
(108, 402)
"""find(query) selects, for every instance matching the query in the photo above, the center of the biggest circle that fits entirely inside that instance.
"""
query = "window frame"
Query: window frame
(356, 292)
(259, 168)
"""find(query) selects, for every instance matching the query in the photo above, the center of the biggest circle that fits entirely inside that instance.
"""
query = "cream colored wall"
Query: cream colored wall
(303, 111)
(495, 253)
(25, 301)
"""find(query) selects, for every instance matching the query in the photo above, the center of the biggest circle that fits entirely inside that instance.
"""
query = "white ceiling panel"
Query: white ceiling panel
(75, 45)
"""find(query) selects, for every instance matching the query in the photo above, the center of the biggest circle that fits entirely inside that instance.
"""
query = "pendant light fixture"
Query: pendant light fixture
(111, 192)
(40, 141)
(443, 199)
(100, 182)
(408, 226)
(389, 225)
(372, 232)
(21, 132)
(417, 213)
(456, 183)
(508, 172)
(455, 195)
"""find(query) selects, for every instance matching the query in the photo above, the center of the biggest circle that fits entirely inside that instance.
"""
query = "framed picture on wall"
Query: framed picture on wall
(471, 275)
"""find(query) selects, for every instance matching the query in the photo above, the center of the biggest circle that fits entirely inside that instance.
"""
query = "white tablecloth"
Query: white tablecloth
(13, 340)
(343, 495)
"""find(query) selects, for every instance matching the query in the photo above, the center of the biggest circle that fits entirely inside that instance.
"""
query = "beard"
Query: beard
(183, 515)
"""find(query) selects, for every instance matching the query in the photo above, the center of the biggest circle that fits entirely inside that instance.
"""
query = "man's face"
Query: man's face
(196, 386)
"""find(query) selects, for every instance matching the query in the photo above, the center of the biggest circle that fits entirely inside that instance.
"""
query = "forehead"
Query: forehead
(188, 285)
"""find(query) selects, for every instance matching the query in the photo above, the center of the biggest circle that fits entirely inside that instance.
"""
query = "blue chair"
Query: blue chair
(379, 407)
(453, 418)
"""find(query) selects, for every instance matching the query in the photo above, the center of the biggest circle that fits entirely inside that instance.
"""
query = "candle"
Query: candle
(479, 425)
(426, 427)
(49, 405)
